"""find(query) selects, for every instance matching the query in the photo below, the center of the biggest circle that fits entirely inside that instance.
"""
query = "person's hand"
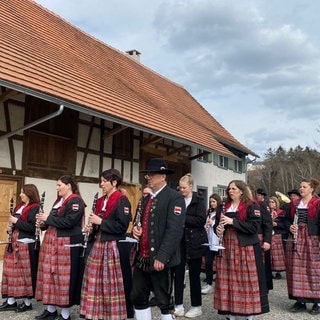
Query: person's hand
(266, 246)
(158, 265)
(95, 219)
(293, 228)
(13, 219)
(41, 217)
(224, 220)
(220, 230)
(137, 232)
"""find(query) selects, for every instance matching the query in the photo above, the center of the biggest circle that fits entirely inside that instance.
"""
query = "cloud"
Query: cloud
(248, 62)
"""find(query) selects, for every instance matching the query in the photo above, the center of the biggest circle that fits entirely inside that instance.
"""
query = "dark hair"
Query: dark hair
(31, 191)
(66, 179)
(246, 196)
(216, 197)
(112, 175)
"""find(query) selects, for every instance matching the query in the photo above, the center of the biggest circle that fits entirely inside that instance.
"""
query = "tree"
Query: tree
(283, 170)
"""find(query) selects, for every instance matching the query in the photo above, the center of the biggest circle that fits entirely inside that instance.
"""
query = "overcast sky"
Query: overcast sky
(254, 65)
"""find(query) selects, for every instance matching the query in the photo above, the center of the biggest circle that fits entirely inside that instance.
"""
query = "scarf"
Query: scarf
(65, 202)
(241, 210)
(112, 202)
(313, 207)
(26, 210)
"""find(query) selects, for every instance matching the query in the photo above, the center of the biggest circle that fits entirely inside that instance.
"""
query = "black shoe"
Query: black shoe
(60, 317)
(23, 307)
(47, 315)
(8, 307)
(315, 309)
(278, 276)
(298, 307)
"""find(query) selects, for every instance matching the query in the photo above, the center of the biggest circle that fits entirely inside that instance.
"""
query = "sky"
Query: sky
(253, 65)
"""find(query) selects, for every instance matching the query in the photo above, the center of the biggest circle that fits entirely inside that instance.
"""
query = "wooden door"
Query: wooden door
(8, 190)
(133, 192)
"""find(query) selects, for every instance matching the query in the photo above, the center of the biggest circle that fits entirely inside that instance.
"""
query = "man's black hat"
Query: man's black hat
(294, 191)
(261, 191)
(157, 165)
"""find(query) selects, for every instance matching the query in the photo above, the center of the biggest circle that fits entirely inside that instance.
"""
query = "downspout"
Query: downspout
(34, 123)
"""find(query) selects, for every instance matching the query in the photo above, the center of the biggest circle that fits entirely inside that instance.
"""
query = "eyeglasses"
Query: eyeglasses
(150, 175)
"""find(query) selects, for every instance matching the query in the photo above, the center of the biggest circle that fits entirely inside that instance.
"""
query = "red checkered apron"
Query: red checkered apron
(278, 261)
(237, 284)
(16, 276)
(303, 266)
(102, 295)
(53, 283)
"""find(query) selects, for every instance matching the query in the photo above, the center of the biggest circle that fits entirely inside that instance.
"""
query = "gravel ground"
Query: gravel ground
(279, 305)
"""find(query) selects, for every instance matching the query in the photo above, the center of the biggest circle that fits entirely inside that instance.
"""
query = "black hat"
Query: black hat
(294, 191)
(261, 192)
(157, 165)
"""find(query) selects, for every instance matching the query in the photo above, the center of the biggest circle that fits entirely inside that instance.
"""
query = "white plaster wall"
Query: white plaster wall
(87, 191)
(4, 154)
(210, 176)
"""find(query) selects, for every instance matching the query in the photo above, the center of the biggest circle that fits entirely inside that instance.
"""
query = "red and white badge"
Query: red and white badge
(257, 213)
(177, 210)
(75, 207)
(126, 210)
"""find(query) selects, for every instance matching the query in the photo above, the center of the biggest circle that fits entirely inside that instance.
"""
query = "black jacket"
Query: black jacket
(166, 224)
(27, 228)
(247, 231)
(195, 234)
(69, 222)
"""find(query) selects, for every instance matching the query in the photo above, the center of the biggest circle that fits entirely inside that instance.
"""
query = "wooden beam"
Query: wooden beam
(199, 155)
(7, 95)
(150, 141)
(180, 149)
(114, 131)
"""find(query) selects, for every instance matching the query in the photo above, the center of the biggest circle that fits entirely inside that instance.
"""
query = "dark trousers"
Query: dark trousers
(160, 282)
(194, 278)
(209, 258)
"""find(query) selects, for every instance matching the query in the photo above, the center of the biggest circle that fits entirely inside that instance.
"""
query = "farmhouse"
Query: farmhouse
(71, 104)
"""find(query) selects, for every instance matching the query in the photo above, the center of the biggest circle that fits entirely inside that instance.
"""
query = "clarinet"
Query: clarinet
(137, 222)
(10, 231)
(87, 233)
(295, 234)
(219, 254)
(38, 229)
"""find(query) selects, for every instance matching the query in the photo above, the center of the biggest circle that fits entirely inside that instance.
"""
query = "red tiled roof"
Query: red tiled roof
(40, 51)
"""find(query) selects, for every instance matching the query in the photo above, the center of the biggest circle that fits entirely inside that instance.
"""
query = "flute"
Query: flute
(10, 231)
(87, 233)
(38, 229)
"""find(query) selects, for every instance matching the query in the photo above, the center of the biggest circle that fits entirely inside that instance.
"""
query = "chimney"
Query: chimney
(134, 54)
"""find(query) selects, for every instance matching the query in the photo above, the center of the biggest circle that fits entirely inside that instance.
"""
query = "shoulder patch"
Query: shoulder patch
(126, 210)
(75, 207)
(257, 213)
(177, 210)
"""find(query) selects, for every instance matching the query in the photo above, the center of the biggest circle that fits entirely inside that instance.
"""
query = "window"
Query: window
(49, 146)
(205, 156)
(223, 162)
(238, 166)
(222, 191)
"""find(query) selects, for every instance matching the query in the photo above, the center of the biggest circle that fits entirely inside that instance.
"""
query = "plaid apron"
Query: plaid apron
(16, 276)
(102, 295)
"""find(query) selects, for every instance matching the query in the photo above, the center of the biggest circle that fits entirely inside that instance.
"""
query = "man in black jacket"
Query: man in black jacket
(159, 228)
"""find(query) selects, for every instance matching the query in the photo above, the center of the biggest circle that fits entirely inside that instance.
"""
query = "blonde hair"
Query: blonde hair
(276, 201)
(187, 178)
